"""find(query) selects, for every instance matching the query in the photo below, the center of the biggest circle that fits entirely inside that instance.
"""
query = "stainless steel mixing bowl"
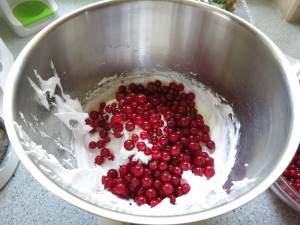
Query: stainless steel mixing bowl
(226, 53)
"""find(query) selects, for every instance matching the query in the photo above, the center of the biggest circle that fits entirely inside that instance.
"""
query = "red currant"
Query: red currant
(99, 160)
(129, 145)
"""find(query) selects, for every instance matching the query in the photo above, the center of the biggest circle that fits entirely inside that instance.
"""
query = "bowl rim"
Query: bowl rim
(291, 145)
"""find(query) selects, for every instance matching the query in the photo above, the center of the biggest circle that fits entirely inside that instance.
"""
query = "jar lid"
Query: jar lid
(29, 12)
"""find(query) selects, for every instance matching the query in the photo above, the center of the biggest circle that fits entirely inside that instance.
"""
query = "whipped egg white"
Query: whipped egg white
(84, 180)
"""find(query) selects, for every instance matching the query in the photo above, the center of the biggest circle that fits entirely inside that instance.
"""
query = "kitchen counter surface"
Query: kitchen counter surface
(25, 201)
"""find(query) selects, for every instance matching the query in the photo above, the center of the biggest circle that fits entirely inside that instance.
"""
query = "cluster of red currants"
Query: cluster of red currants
(164, 124)
(292, 172)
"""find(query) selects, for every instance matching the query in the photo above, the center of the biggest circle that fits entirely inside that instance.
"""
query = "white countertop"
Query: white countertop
(25, 201)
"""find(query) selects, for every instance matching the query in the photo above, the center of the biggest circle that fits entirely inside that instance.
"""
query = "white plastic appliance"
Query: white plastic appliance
(10, 161)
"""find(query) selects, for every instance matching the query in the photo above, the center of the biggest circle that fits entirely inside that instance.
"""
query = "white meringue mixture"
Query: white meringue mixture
(85, 179)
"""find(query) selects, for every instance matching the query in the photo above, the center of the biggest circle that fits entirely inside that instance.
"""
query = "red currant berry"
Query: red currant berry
(144, 135)
(165, 176)
(167, 188)
(156, 155)
(129, 145)
(141, 99)
(165, 156)
(140, 200)
(209, 171)
(184, 165)
(151, 194)
(124, 170)
(146, 181)
(113, 173)
(137, 170)
(129, 126)
(209, 161)
(103, 133)
(199, 160)
(105, 152)
(198, 171)
(141, 146)
(153, 165)
(107, 181)
(177, 171)
(135, 137)
(99, 160)
(94, 115)
(92, 145)
(185, 188)
(210, 145)
(175, 150)
(205, 129)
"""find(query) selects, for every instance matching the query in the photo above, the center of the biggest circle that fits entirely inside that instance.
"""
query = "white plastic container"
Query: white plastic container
(26, 17)
(6, 61)
(10, 161)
